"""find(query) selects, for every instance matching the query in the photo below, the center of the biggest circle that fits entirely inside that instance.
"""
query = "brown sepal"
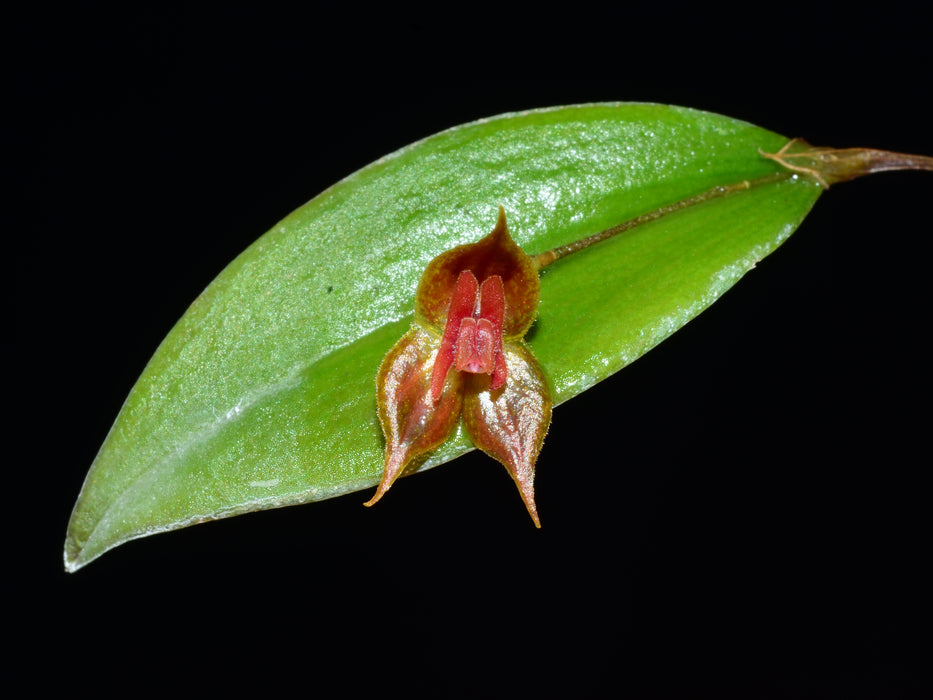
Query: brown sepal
(412, 422)
(510, 424)
(494, 254)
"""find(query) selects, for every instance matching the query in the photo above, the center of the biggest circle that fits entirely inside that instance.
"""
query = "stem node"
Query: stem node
(831, 165)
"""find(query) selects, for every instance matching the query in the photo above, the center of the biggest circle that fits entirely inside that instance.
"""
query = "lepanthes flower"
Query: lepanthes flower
(464, 359)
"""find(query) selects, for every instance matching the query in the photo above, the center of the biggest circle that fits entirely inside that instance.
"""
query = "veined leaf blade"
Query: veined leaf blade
(263, 395)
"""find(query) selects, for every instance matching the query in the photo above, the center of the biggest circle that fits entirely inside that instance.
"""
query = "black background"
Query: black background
(741, 513)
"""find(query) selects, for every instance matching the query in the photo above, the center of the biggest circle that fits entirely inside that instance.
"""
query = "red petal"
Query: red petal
(492, 308)
(492, 302)
(499, 373)
(462, 305)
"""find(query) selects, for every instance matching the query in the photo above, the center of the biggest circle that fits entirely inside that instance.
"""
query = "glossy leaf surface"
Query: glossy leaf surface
(263, 393)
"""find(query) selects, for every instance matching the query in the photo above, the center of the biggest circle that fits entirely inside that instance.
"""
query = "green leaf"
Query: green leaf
(263, 394)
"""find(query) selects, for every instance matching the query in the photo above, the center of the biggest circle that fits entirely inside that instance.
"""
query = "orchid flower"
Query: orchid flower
(464, 359)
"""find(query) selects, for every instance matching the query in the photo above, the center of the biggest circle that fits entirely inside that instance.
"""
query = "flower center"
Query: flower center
(472, 340)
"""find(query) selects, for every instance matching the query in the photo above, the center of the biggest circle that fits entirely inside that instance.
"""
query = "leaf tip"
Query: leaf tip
(71, 558)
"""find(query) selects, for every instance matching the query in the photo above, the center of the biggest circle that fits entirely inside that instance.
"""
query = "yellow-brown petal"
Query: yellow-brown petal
(412, 422)
(494, 254)
(510, 424)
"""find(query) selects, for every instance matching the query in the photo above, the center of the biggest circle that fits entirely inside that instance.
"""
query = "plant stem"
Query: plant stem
(542, 260)
(826, 166)
(831, 165)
